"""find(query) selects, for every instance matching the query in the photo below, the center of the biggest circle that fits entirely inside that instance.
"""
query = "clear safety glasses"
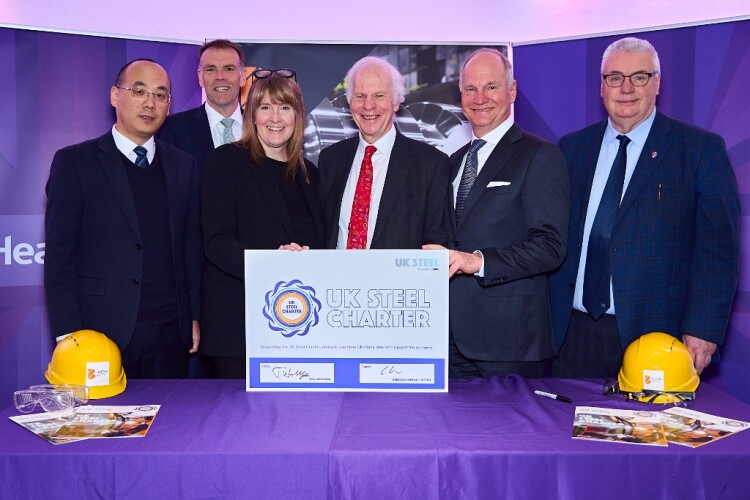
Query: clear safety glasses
(51, 397)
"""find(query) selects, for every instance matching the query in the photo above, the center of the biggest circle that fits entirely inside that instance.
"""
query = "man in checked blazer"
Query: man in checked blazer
(674, 247)
(507, 225)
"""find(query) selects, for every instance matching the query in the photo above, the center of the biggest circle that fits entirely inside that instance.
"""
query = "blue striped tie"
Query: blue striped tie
(142, 160)
(467, 179)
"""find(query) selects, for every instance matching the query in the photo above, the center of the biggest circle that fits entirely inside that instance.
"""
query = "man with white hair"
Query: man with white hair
(654, 227)
(381, 189)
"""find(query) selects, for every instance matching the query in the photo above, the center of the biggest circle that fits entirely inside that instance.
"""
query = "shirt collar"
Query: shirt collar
(384, 145)
(495, 135)
(214, 117)
(126, 146)
(638, 135)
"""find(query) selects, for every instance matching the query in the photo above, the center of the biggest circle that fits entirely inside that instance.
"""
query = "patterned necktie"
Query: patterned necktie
(598, 268)
(228, 136)
(141, 160)
(469, 176)
(358, 223)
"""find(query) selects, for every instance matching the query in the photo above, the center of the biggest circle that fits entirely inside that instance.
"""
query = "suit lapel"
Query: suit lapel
(654, 151)
(492, 167)
(398, 170)
(587, 158)
(456, 159)
(111, 163)
(340, 167)
(202, 131)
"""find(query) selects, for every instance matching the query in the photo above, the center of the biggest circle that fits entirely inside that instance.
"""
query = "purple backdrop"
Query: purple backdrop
(705, 71)
(704, 74)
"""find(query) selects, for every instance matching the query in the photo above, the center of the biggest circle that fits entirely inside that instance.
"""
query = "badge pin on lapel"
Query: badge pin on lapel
(653, 154)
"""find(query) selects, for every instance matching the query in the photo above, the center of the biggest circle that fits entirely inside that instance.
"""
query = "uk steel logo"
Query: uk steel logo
(291, 308)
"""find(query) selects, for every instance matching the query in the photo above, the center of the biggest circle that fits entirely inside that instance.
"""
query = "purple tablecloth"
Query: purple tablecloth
(484, 439)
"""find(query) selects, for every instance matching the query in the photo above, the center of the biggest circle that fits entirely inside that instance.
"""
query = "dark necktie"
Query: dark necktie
(359, 220)
(142, 160)
(598, 268)
(469, 176)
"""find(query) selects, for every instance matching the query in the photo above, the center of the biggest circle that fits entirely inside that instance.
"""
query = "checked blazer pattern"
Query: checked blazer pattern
(675, 244)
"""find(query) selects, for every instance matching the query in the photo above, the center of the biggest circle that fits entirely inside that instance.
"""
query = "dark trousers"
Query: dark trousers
(463, 367)
(225, 367)
(156, 350)
(591, 348)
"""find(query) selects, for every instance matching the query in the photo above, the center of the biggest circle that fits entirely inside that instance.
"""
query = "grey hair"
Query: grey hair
(398, 88)
(494, 52)
(632, 45)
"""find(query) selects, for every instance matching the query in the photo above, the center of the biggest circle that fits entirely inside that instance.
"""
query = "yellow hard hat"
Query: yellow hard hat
(658, 368)
(89, 358)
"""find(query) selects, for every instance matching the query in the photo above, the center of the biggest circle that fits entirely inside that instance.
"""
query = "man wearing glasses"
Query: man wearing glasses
(654, 229)
(122, 233)
(219, 120)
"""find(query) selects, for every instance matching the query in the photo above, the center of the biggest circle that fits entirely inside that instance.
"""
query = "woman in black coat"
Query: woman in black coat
(257, 193)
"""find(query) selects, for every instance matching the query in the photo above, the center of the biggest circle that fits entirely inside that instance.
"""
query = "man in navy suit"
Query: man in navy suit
(219, 120)
(672, 246)
(507, 219)
(409, 178)
(123, 235)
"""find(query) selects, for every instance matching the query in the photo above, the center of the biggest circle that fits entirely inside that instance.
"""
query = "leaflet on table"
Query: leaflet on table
(621, 426)
(45, 425)
(692, 428)
(87, 422)
(332, 320)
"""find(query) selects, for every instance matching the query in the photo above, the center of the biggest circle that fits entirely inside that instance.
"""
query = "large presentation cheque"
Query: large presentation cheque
(340, 320)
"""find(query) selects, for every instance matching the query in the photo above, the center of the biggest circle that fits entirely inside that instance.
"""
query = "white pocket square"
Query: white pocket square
(495, 184)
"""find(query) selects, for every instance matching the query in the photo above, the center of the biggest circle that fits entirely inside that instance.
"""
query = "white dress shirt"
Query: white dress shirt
(126, 146)
(217, 129)
(380, 161)
(493, 138)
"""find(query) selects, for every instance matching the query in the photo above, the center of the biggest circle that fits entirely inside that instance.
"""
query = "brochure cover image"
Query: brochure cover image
(620, 426)
(692, 428)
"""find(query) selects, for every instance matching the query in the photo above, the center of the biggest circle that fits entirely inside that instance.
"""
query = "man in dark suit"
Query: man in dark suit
(507, 215)
(122, 233)
(663, 255)
(403, 181)
(219, 120)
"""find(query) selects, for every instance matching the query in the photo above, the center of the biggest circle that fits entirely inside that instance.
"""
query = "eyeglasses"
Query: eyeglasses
(142, 95)
(648, 396)
(283, 73)
(639, 79)
(51, 397)
(80, 392)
